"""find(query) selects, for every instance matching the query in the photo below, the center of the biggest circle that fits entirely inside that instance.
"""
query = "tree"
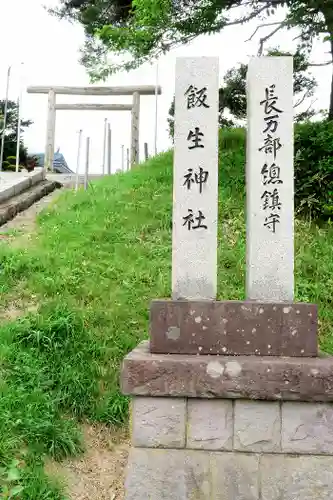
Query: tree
(141, 30)
(11, 133)
(232, 94)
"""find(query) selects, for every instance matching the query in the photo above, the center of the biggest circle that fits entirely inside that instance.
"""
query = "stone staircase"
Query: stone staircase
(18, 191)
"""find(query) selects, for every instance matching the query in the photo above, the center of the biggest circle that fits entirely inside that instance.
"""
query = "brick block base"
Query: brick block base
(223, 449)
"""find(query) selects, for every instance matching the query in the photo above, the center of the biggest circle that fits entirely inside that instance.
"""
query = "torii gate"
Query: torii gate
(52, 91)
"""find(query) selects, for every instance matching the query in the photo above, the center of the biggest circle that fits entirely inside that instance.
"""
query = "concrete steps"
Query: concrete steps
(12, 183)
(19, 191)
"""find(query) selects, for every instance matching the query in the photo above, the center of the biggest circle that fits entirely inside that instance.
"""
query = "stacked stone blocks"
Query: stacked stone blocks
(233, 425)
(230, 449)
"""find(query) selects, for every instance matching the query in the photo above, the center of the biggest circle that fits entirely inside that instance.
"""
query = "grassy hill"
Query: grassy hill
(88, 275)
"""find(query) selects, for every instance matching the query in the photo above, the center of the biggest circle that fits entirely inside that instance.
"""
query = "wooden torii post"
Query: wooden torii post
(135, 91)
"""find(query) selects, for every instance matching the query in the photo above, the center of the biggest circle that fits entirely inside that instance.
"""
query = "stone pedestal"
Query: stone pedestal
(230, 400)
(233, 327)
(229, 427)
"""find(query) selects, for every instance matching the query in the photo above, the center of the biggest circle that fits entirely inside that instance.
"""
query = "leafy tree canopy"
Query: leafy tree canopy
(138, 31)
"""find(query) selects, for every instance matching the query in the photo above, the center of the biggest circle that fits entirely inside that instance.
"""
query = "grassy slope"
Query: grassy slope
(98, 260)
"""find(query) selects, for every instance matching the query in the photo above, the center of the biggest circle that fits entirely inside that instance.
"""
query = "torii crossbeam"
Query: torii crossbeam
(52, 91)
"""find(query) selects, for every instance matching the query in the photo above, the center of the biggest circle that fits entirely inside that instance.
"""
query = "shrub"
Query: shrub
(7, 166)
(232, 138)
(313, 163)
(314, 169)
(11, 160)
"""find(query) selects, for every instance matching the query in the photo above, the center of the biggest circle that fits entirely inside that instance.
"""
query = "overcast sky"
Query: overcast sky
(49, 50)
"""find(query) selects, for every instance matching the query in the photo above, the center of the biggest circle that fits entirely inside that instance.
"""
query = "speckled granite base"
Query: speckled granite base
(233, 327)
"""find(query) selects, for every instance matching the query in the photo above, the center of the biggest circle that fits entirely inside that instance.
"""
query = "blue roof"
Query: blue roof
(59, 163)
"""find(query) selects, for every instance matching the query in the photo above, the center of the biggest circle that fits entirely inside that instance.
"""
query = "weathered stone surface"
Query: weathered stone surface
(166, 474)
(209, 424)
(235, 476)
(296, 478)
(233, 327)
(155, 475)
(194, 247)
(257, 426)
(191, 475)
(198, 475)
(241, 377)
(307, 428)
(158, 422)
(270, 179)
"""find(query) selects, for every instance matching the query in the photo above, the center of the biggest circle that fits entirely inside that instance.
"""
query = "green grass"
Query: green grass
(98, 259)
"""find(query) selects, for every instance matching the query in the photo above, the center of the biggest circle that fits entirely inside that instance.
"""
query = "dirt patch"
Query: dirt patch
(99, 473)
(16, 308)
(19, 230)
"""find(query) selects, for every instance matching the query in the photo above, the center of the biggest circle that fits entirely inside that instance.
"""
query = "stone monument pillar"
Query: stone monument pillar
(230, 400)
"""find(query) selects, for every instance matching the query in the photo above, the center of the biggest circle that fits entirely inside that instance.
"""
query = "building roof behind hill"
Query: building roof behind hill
(59, 163)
